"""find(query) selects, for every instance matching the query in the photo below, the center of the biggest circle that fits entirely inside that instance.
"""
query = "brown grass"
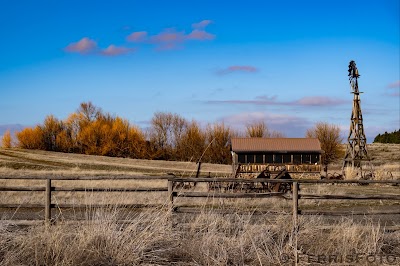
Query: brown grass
(151, 238)
(157, 237)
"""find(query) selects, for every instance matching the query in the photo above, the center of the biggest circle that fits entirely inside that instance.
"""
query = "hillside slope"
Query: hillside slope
(36, 162)
(33, 162)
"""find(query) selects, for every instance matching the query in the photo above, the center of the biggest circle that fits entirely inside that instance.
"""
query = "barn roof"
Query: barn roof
(276, 145)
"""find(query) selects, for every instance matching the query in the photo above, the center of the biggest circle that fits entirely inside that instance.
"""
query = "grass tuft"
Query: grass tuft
(152, 238)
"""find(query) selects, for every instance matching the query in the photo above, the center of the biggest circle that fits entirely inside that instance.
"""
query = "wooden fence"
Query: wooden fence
(49, 188)
(295, 196)
(174, 193)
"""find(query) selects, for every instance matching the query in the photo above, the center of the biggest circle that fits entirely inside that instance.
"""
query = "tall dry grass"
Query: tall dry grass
(157, 237)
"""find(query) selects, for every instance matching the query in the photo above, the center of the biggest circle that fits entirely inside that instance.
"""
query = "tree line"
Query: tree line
(392, 137)
(91, 131)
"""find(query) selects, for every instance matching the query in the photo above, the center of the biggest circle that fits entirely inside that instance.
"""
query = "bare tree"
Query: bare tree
(329, 137)
(89, 111)
(260, 130)
(218, 137)
(166, 131)
(257, 130)
(51, 128)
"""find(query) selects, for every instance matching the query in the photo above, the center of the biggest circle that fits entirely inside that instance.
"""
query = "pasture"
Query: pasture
(223, 231)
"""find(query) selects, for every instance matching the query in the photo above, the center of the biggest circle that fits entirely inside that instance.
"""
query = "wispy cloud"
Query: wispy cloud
(394, 85)
(170, 38)
(237, 68)
(137, 36)
(200, 35)
(113, 50)
(305, 101)
(202, 24)
(83, 46)
(167, 39)
(318, 101)
(393, 89)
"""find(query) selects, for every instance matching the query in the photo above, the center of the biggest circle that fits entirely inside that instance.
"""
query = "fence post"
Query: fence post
(295, 220)
(47, 210)
(198, 169)
(171, 194)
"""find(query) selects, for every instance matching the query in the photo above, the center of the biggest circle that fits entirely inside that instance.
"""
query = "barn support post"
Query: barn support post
(171, 194)
(47, 209)
(295, 220)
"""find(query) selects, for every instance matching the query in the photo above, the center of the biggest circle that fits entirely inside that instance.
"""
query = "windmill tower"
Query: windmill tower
(356, 150)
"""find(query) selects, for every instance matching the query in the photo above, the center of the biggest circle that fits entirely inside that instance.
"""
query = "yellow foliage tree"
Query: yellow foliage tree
(6, 141)
(137, 143)
(191, 144)
(72, 126)
(30, 138)
(90, 137)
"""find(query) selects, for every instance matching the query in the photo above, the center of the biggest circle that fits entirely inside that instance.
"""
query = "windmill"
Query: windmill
(356, 151)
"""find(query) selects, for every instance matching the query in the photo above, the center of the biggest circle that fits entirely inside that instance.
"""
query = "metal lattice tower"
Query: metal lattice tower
(356, 150)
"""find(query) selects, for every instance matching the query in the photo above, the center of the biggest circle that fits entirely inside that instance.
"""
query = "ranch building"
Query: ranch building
(252, 155)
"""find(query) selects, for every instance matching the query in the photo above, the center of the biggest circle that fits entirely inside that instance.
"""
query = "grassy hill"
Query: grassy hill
(36, 162)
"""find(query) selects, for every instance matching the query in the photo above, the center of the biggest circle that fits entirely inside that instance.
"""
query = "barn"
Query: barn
(258, 154)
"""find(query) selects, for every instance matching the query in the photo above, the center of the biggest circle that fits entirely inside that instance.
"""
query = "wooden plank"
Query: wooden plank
(21, 222)
(352, 197)
(21, 188)
(229, 195)
(94, 189)
(206, 179)
(21, 205)
(194, 210)
(348, 213)
(108, 177)
(300, 181)
(231, 180)
(67, 205)
(110, 205)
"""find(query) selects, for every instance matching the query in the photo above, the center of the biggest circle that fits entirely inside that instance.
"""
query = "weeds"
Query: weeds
(150, 238)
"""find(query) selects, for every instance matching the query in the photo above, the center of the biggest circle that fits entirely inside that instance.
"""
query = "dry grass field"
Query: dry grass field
(156, 236)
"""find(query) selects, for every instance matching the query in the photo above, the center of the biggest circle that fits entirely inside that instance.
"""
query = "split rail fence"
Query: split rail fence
(173, 193)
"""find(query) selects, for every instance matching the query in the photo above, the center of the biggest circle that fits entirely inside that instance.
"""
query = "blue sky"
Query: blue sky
(284, 62)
